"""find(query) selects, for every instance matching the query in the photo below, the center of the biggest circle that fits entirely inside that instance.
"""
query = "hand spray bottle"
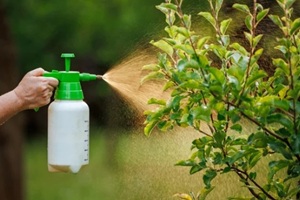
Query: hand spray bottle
(68, 121)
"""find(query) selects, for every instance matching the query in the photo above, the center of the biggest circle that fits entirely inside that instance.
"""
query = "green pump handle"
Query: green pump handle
(69, 87)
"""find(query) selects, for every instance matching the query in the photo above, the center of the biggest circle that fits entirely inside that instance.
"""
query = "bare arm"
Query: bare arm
(33, 91)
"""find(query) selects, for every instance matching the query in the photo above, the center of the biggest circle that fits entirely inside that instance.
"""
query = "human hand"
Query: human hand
(34, 90)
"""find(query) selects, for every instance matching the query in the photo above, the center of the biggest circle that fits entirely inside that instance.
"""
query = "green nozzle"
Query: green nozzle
(67, 57)
(69, 87)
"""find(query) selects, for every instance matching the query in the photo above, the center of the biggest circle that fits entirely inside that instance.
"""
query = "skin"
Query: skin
(33, 91)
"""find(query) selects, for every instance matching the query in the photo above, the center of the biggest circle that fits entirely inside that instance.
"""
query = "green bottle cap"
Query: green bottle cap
(69, 87)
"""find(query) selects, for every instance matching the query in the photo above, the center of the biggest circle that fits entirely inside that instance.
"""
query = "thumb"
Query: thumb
(36, 72)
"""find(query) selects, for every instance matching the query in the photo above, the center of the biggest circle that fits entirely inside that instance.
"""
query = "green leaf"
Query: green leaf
(204, 192)
(261, 15)
(151, 67)
(218, 5)
(168, 85)
(242, 7)
(258, 140)
(187, 64)
(253, 159)
(165, 125)
(289, 3)
(280, 148)
(183, 31)
(170, 6)
(164, 46)
(175, 103)
(279, 62)
(256, 40)
(209, 18)
(201, 113)
(295, 26)
(248, 22)
(276, 20)
(256, 77)
(281, 119)
(224, 26)
(296, 144)
(252, 175)
(225, 40)
(237, 127)
(209, 175)
(218, 74)
(151, 76)
(275, 166)
(187, 20)
(248, 37)
(196, 168)
(185, 47)
(157, 101)
(219, 137)
(239, 48)
(186, 163)
(149, 127)
(202, 42)
(190, 84)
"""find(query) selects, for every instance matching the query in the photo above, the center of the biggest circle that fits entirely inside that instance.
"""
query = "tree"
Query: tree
(11, 134)
(216, 84)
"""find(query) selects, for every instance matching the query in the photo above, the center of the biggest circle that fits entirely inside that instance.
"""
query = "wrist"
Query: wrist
(19, 102)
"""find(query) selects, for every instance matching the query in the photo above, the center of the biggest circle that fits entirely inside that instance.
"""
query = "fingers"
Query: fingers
(36, 72)
(52, 81)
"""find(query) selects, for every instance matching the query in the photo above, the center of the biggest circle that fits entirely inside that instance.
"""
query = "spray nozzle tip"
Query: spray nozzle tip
(99, 77)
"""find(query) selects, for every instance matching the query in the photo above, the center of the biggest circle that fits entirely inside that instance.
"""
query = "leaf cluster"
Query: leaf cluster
(216, 100)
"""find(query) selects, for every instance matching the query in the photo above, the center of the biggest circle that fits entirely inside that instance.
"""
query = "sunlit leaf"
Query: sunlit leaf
(261, 15)
(295, 26)
(187, 20)
(204, 192)
(149, 127)
(218, 74)
(151, 76)
(168, 85)
(256, 40)
(256, 77)
(218, 5)
(224, 25)
(164, 46)
(242, 7)
(248, 22)
(208, 16)
(152, 67)
(183, 196)
(157, 101)
(167, 6)
(276, 20)
(202, 42)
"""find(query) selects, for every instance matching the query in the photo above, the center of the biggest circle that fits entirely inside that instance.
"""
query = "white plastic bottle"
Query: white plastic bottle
(68, 135)
(68, 121)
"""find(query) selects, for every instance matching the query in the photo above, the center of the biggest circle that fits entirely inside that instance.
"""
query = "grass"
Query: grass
(127, 166)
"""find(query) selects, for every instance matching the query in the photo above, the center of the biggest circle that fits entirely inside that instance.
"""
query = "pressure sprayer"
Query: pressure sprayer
(68, 120)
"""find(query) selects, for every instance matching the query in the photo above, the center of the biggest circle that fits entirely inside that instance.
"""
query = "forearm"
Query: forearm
(10, 105)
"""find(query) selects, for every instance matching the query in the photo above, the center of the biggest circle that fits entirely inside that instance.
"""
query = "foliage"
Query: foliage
(218, 84)
(97, 31)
